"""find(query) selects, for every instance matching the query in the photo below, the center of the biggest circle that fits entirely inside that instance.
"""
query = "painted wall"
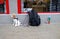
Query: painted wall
(13, 6)
(6, 19)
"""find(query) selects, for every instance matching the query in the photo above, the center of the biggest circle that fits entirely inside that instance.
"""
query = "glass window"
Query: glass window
(2, 6)
(55, 6)
(41, 5)
(38, 5)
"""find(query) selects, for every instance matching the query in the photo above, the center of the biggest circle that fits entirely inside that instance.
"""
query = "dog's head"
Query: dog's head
(13, 16)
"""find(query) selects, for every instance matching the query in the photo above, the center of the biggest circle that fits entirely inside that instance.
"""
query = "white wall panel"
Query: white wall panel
(13, 6)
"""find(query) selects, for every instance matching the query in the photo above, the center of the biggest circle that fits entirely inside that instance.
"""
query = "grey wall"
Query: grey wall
(6, 19)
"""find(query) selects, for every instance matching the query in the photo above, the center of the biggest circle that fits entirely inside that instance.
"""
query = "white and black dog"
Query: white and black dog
(16, 22)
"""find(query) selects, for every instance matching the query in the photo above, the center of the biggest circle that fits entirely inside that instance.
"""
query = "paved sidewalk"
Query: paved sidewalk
(48, 31)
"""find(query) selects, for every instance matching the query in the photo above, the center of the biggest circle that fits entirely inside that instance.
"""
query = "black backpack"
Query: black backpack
(34, 18)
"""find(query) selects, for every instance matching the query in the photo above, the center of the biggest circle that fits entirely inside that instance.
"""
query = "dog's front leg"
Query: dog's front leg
(16, 22)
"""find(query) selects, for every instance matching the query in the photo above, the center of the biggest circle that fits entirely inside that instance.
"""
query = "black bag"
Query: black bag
(34, 18)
